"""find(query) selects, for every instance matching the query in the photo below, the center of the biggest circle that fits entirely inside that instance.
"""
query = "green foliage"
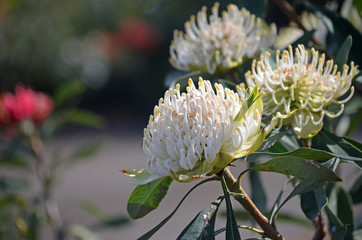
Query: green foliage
(304, 39)
(339, 31)
(83, 118)
(203, 225)
(256, 7)
(155, 229)
(104, 221)
(340, 210)
(313, 202)
(232, 231)
(356, 190)
(258, 195)
(338, 146)
(342, 55)
(147, 197)
(67, 92)
(36, 51)
(297, 167)
(340, 233)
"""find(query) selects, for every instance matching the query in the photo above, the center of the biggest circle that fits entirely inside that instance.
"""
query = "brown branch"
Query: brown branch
(261, 220)
(320, 232)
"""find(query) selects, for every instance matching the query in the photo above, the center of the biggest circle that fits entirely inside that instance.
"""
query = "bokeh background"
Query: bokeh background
(119, 51)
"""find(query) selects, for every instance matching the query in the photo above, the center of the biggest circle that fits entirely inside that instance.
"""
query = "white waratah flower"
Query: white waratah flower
(220, 43)
(306, 87)
(198, 133)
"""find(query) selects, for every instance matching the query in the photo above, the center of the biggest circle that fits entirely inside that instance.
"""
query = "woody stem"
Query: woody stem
(249, 206)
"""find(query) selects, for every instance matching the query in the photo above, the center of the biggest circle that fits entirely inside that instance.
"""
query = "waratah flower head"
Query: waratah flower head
(217, 44)
(198, 133)
(25, 104)
(306, 86)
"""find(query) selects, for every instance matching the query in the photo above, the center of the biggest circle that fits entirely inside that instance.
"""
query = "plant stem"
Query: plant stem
(245, 201)
(258, 231)
(320, 232)
(51, 206)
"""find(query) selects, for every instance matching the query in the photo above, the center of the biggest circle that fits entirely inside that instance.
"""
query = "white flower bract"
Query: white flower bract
(198, 133)
(305, 86)
(217, 44)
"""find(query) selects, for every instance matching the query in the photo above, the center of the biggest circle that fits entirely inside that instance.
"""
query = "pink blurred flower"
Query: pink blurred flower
(140, 34)
(24, 104)
(133, 33)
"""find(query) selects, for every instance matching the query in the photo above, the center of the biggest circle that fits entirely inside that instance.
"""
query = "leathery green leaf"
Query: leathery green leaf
(356, 190)
(313, 202)
(150, 233)
(232, 232)
(340, 233)
(203, 225)
(315, 154)
(147, 197)
(298, 167)
(340, 205)
(342, 55)
(304, 186)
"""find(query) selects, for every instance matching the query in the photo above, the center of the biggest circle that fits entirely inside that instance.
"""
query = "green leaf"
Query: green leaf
(342, 55)
(163, 222)
(303, 187)
(258, 195)
(278, 147)
(338, 147)
(333, 220)
(150, 7)
(307, 153)
(271, 140)
(318, 154)
(256, 7)
(340, 205)
(227, 84)
(11, 185)
(203, 225)
(173, 79)
(358, 5)
(84, 118)
(340, 233)
(33, 232)
(304, 39)
(276, 205)
(111, 222)
(68, 91)
(298, 167)
(313, 202)
(354, 143)
(356, 190)
(93, 209)
(232, 232)
(147, 197)
(86, 151)
(341, 29)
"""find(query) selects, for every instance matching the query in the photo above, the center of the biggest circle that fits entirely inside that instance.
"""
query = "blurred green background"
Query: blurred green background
(118, 48)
